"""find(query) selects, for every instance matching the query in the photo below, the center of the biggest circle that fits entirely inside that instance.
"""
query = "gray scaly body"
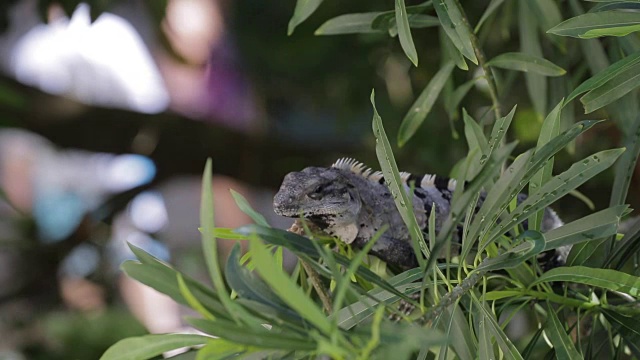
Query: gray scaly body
(350, 201)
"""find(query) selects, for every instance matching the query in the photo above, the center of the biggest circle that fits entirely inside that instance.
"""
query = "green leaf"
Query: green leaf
(550, 129)
(460, 203)
(613, 71)
(210, 250)
(565, 350)
(349, 24)
(257, 337)
(626, 248)
(605, 23)
(603, 278)
(387, 19)
(612, 90)
(392, 178)
(404, 32)
(547, 14)
(246, 208)
(494, 329)
(455, 26)
(493, 5)
(526, 63)
(628, 327)
(453, 322)
(286, 289)
(457, 96)
(423, 104)
(554, 189)
(249, 286)
(150, 346)
(159, 276)
(595, 226)
(530, 44)
(485, 347)
(616, 5)
(532, 245)
(221, 349)
(191, 299)
(304, 9)
(451, 52)
(302, 246)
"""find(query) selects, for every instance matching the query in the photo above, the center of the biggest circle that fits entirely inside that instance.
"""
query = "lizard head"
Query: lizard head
(318, 193)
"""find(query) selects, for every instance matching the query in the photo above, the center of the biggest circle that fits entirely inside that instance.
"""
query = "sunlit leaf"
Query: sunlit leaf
(304, 9)
(286, 289)
(150, 346)
(526, 63)
(210, 250)
(605, 23)
(423, 104)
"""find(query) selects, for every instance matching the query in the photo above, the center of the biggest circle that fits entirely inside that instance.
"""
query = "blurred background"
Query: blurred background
(109, 109)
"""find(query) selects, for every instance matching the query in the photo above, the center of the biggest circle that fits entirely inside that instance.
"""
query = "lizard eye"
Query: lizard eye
(317, 193)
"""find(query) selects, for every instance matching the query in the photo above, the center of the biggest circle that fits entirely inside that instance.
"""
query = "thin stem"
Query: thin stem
(493, 92)
(314, 279)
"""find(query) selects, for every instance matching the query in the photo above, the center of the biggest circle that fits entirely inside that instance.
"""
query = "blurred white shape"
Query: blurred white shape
(148, 212)
(124, 172)
(102, 63)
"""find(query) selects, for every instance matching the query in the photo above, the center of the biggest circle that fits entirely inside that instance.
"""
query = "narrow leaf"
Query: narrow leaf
(550, 129)
(493, 5)
(595, 226)
(404, 32)
(456, 27)
(210, 249)
(246, 208)
(603, 278)
(604, 76)
(612, 90)
(526, 63)
(422, 106)
(494, 329)
(555, 188)
(530, 44)
(628, 327)
(349, 24)
(304, 9)
(392, 178)
(258, 337)
(565, 350)
(286, 289)
(605, 23)
(150, 346)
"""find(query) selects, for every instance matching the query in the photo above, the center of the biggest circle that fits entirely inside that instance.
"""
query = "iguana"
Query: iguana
(350, 201)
